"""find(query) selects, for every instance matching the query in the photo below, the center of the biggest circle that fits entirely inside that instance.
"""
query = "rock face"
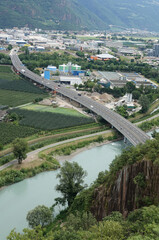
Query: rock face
(135, 186)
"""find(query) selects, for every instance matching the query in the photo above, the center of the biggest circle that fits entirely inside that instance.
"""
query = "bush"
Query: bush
(41, 215)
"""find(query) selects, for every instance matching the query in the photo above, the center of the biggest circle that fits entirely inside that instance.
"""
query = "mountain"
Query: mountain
(80, 14)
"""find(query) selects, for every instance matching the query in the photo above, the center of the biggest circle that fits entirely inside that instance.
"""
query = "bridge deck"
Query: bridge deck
(130, 131)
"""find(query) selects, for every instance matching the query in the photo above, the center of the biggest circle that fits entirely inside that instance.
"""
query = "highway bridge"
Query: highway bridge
(129, 131)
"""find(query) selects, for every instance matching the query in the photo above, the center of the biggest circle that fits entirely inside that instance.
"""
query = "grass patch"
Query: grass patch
(148, 125)
(41, 108)
(72, 146)
(6, 159)
(142, 116)
(56, 138)
(21, 172)
(86, 38)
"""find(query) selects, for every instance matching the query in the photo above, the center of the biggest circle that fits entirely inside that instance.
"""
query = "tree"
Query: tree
(80, 220)
(20, 148)
(114, 216)
(13, 117)
(66, 234)
(28, 234)
(40, 215)
(1, 146)
(144, 102)
(106, 230)
(122, 110)
(71, 182)
(9, 47)
(26, 51)
(80, 54)
(130, 87)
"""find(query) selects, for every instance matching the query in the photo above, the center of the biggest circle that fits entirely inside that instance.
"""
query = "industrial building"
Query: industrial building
(47, 74)
(49, 71)
(52, 68)
(70, 80)
(156, 50)
(69, 68)
(119, 79)
(103, 57)
(21, 43)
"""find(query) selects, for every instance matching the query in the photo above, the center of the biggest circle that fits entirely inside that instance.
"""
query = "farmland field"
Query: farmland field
(16, 98)
(10, 131)
(41, 108)
(16, 91)
(50, 120)
(11, 81)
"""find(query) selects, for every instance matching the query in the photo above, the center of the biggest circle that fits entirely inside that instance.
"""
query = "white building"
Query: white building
(70, 80)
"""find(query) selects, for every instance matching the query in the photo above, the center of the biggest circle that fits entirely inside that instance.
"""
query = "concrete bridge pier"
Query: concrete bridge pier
(125, 140)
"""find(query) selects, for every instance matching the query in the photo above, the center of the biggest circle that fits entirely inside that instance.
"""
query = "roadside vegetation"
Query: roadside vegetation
(46, 160)
(68, 148)
(8, 177)
(5, 59)
(43, 138)
(7, 156)
(152, 111)
(148, 125)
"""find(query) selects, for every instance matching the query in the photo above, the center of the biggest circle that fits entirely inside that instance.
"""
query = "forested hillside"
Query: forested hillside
(80, 14)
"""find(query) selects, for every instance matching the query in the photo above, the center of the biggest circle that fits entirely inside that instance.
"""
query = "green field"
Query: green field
(41, 108)
(50, 120)
(7, 69)
(16, 98)
(11, 131)
(11, 81)
(15, 91)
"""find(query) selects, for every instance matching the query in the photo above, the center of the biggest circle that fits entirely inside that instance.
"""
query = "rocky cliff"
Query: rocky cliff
(135, 186)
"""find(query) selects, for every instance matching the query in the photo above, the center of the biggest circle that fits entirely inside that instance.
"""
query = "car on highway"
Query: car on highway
(79, 94)
(91, 106)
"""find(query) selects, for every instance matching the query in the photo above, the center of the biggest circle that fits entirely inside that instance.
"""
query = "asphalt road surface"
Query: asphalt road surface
(130, 131)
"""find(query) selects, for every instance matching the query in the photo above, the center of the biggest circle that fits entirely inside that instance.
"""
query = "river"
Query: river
(16, 200)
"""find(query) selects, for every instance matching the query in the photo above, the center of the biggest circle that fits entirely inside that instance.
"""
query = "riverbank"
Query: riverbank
(40, 189)
(63, 158)
(59, 158)
(36, 163)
